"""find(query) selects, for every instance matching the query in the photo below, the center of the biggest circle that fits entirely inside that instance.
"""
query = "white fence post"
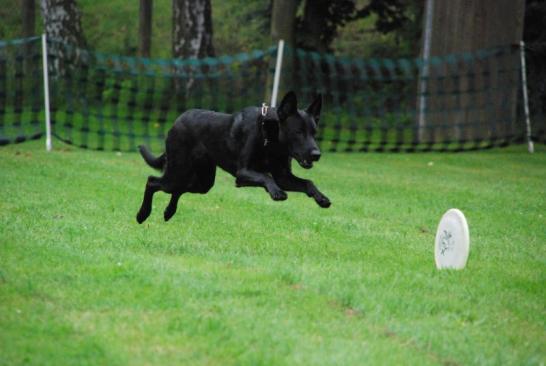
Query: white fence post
(530, 146)
(278, 68)
(46, 93)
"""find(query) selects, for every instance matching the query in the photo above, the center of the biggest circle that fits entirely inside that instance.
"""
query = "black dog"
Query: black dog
(255, 146)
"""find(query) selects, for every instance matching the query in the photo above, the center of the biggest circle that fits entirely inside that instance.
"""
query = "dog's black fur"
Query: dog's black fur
(256, 150)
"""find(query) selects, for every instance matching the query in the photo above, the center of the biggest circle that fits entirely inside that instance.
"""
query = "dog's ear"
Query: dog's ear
(314, 108)
(288, 106)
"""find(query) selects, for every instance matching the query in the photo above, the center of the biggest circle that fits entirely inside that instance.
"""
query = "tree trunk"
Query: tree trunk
(29, 17)
(62, 21)
(28, 13)
(191, 38)
(283, 21)
(314, 21)
(283, 25)
(192, 29)
(62, 24)
(145, 28)
(473, 100)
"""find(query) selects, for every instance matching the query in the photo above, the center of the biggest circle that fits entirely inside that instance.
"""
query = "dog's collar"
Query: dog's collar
(265, 108)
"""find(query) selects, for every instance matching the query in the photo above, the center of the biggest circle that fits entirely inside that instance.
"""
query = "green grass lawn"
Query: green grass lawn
(237, 279)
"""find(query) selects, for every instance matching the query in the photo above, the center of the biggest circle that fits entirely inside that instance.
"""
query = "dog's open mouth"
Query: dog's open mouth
(304, 163)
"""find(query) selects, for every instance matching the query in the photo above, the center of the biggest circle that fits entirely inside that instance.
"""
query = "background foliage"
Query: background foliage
(238, 26)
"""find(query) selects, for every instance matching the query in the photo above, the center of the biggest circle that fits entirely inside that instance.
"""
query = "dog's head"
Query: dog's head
(298, 129)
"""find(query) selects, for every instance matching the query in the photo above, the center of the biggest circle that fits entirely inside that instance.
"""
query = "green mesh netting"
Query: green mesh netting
(21, 90)
(451, 103)
(109, 102)
(112, 102)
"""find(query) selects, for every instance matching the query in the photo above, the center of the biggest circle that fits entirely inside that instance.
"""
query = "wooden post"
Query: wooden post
(480, 103)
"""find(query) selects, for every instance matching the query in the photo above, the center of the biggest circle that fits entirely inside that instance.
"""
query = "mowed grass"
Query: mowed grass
(237, 279)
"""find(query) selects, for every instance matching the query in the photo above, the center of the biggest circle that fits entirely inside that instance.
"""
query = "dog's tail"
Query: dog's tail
(156, 163)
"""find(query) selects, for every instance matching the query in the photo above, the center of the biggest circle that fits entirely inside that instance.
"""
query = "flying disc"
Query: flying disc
(452, 242)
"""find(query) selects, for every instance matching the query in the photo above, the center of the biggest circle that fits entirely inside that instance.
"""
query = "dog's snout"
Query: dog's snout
(315, 155)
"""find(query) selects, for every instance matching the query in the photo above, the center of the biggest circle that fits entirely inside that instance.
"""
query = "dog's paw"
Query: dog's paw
(323, 201)
(168, 213)
(142, 216)
(278, 195)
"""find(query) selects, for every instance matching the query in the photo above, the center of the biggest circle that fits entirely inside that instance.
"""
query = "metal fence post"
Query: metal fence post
(46, 93)
(530, 146)
(278, 68)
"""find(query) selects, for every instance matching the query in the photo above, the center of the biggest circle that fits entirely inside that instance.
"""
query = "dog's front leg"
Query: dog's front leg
(247, 177)
(290, 182)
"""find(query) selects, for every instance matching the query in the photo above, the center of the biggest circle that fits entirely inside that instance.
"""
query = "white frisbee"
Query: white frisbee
(452, 242)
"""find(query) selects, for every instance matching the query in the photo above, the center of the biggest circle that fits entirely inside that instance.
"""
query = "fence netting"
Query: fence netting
(455, 102)
(110, 102)
(21, 90)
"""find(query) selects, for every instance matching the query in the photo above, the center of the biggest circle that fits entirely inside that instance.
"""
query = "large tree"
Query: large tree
(62, 24)
(192, 29)
(62, 21)
(145, 28)
(29, 17)
(283, 26)
(283, 21)
(317, 25)
(320, 21)
(191, 35)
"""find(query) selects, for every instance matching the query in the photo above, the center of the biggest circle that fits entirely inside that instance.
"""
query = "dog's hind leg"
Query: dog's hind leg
(171, 207)
(204, 175)
(175, 181)
(152, 185)
(201, 181)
